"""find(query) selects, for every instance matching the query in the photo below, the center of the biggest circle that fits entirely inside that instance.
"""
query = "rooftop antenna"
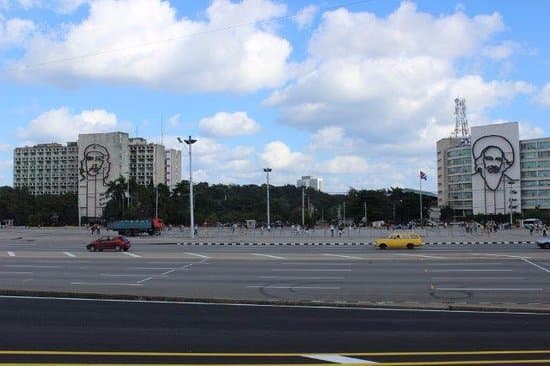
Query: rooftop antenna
(461, 128)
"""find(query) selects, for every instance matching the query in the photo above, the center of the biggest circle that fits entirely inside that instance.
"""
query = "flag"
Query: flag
(423, 175)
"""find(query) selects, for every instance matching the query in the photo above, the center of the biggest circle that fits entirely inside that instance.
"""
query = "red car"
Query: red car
(116, 243)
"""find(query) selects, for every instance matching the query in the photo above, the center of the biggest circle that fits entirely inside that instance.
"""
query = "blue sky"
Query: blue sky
(354, 92)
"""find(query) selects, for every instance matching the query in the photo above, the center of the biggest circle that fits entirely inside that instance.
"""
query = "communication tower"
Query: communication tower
(461, 128)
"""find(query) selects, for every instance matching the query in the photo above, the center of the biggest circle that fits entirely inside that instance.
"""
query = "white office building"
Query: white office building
(173, 168)
(310, 182)
(493, 171)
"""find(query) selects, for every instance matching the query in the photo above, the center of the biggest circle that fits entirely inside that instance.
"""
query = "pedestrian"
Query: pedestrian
(531, 230)
(544, 233)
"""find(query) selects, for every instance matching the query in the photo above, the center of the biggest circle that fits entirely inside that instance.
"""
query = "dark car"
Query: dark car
(116, 243)
(544, 243)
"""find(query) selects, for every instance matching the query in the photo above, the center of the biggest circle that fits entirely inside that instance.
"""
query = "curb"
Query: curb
(343, 243)
(384, 305)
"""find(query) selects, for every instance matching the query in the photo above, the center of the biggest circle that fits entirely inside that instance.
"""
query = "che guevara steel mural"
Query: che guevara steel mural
(95, 167)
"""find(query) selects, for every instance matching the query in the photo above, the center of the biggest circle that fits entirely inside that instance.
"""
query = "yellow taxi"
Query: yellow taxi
(399, 240)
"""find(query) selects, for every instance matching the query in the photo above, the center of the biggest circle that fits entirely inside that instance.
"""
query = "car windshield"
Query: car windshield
(274, 182)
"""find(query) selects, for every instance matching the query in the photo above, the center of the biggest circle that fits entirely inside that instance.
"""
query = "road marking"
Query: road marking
(29, 266)
(145, 280)
(132, 255)
(120, 275)
(536, 265)
(268, 256)
(475, 278)
(469, 270)
(11, 254)
(342, 256)
(15, 273)
(466, 264)
(486, 289)
(300, 278)
(152, 268)
(422, 256)
(104, 284)
(339, 359)
(297, 287)
(69, 254)
(310, 270)
(197, 255)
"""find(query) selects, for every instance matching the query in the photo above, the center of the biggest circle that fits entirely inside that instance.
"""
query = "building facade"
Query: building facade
(173, 168)
(46, 168)
(493, 172)
(86, 167)
(310, 182)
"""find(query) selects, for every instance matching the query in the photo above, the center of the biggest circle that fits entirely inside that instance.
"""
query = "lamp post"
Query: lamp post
(512, 200)
(303, 215)
(267, 171)
(189, 143)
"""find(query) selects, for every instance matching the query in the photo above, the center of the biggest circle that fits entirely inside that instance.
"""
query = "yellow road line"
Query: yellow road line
(204, 354)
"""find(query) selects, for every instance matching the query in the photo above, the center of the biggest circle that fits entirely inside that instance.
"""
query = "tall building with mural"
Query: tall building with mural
(493, 171)
(86, 166)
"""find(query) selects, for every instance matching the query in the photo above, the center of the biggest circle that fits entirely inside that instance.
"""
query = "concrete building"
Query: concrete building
(493, 172)
(88, 165)
(173, 168)
(46, 168)
(147, 162)
(310, 182)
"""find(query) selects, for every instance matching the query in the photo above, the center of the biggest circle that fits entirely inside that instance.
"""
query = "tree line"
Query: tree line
(218, 204)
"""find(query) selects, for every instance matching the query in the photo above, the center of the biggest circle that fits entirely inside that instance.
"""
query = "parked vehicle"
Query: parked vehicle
(531, 223)
(544, 243)
(399, 240)
(135, 227)
(116, 243)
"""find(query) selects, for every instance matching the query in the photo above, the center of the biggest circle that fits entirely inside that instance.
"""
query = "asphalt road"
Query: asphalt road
(99, 331)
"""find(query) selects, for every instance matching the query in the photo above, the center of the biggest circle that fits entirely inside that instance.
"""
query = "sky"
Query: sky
(356, 93)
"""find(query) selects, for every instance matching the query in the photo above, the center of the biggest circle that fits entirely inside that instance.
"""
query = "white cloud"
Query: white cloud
(61, 125)
(305, 16)
(277, 155)
(345, 164)
(60, 6)
(175, 120)
(543, 96)
(5, 147)
(155, 48)
(15, 31)
(224, 124)
(501, 51)
(528, 131)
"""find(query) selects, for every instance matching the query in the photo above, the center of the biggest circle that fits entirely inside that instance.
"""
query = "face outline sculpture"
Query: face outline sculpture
(96, 163)
(490, 160)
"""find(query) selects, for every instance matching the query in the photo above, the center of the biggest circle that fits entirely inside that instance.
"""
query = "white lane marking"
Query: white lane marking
(310, 270)
(315, 264)
(453, 278)
(301, 278)
(339, 359)
(268, 256)
(104, 284)
(132, 255)
(152, 268)
(29, 266)
(197, 255)
(312, 307)
(469, 270)
(536, 265)
(168, 272)
(120, 275)
(69, 254)
(297, 287)
(145, 280)
(422, 256)
(466, 264)
(488, 289)
(11, 254)
(15, 273)
(341, 256)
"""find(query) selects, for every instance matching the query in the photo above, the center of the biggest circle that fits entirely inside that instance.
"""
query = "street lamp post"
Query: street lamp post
(303, 215)
(267, 171)
(512, 200)
(189, 143)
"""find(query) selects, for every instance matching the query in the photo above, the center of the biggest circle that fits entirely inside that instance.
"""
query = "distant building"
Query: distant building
(173, 168)
(310, 182)
(87, 166)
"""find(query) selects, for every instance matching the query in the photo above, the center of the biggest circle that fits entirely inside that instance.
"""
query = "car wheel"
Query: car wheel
(125, 249)
(547, 246)
(410, 246)
(382, 246)
(92, 248)
(117, 248)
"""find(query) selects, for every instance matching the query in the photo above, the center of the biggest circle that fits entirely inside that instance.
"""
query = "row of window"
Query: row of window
(460, 186)
(536, 173)
(535, 145)
(460, 195)
(535, 183)
(535, 155)
(535, 164)
(459, 152)
(460, 178)
(535, 202)
(459, 169)
(460, 161)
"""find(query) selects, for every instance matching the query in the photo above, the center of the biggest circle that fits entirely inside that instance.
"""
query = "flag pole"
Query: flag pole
(421, 218)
